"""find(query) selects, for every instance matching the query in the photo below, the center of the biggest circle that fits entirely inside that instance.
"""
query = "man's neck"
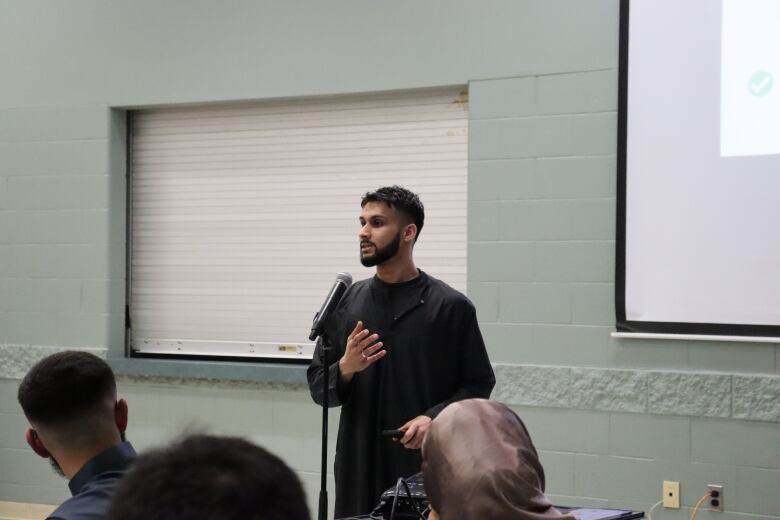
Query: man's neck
(397, 270)
(71, 463)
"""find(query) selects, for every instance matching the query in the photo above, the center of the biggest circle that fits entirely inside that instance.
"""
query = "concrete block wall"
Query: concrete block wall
(612, 418)
(62, 226)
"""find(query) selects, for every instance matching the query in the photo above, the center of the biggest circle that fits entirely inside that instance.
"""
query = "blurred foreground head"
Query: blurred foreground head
(207, 477)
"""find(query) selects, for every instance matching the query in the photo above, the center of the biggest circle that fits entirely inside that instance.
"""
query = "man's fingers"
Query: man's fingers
(368, 341)
(376, 357)
(359, 336)
(360, 339)
(410, 433)
(415, 432)
(356, 330)
(416, 441)
(372, 349)
(354, 343)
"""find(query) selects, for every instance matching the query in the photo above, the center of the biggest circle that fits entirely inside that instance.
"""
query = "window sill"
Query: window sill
(293, 374)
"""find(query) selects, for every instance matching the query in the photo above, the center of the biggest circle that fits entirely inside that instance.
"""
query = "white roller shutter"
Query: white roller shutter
(242, 214)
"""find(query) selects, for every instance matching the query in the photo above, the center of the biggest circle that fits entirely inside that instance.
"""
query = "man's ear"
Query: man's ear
(410, 233)
(120, 415)
(31, 436)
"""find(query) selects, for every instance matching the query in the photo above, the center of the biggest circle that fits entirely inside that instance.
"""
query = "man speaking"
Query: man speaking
(405, 345)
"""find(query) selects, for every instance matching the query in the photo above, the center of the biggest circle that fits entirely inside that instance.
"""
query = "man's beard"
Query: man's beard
(382, 255)
(55, 467)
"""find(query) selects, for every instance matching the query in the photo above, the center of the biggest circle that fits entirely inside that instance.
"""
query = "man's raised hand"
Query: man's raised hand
(362, 350)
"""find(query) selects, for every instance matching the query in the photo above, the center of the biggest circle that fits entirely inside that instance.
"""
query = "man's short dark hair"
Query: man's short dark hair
(210, 478)
(402, 200)
(64, 386)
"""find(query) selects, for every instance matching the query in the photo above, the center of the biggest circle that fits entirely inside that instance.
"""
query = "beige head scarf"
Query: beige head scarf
(479, 464)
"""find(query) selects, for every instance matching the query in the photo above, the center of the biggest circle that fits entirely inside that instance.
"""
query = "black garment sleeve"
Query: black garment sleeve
(475, 371)
(338, 392)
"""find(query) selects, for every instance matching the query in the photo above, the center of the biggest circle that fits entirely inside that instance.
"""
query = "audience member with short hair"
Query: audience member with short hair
(206, 477)
(76, 422)
(479, 463)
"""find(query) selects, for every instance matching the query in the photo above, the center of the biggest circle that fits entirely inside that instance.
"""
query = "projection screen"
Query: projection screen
(698, 245)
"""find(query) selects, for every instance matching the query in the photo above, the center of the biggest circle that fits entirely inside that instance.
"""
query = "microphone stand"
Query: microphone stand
(324, 359)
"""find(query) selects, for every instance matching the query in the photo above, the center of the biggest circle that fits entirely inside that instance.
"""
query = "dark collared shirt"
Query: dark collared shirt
(94, 483)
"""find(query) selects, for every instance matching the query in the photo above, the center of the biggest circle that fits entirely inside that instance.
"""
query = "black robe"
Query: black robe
(435, 356)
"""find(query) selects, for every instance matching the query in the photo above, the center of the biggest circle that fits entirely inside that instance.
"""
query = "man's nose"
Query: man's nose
(363, 232)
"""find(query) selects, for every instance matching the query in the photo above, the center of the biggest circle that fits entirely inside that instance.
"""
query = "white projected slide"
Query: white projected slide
(702, 167)
(750, 78)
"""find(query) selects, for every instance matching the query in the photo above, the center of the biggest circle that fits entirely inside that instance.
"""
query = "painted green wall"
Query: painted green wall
(612, 418)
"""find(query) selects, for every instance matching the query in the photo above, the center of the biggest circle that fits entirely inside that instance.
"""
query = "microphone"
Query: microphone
(340, 286)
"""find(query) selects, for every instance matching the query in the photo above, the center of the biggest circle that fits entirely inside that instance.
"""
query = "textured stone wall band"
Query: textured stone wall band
(680, 393)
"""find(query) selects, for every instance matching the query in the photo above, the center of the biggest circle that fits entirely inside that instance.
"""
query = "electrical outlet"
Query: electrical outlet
(716, 497)
(671, 494)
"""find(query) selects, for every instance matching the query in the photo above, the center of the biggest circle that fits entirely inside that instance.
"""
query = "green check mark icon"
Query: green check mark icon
(760, 83)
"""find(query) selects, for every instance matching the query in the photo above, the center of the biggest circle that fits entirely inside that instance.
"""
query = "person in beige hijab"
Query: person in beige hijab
(479, 464)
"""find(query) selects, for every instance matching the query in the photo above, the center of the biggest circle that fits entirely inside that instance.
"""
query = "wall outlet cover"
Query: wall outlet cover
(671, 494)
